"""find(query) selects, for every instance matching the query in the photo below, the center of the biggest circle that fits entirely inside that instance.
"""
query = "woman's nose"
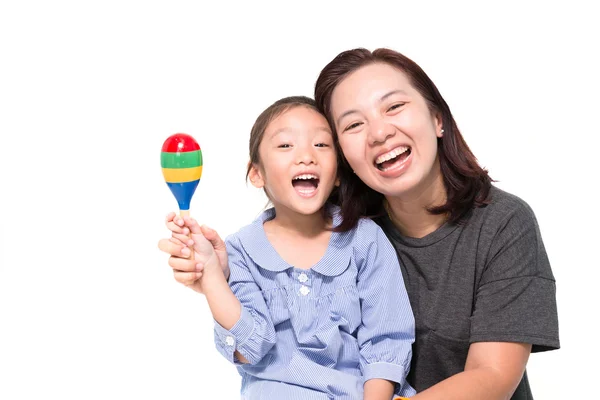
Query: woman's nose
(380, 131)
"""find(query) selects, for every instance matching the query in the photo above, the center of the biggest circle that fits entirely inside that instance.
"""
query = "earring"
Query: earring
(442, 132)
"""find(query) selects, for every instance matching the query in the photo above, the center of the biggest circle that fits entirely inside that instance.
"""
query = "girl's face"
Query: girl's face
(298, 165)
(386, 131)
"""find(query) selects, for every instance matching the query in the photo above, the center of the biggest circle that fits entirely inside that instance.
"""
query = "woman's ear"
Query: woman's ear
(439, 126)
(256, 177)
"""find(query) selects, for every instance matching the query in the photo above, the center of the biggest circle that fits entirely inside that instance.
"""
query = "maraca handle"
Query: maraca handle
(186, 213)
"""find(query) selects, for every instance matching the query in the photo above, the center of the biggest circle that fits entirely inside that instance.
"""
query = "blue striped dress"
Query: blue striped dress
(318, 333)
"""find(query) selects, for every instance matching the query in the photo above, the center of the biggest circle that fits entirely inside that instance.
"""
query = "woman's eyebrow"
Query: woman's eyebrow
(344, 115)
(393, 92)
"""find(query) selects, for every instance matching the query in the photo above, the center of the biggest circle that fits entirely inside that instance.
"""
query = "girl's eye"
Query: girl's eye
(354, 125)
(321, 145)
(284, 146)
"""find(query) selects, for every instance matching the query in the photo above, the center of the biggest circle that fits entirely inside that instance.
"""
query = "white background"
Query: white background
(90, 90)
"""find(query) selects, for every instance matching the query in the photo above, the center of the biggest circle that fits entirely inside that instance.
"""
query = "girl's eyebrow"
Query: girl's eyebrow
(385, 96)
(285, 129)
(292, 131)
(323, 129)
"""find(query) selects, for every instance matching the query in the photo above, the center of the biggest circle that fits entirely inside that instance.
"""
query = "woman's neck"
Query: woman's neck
(409, 212)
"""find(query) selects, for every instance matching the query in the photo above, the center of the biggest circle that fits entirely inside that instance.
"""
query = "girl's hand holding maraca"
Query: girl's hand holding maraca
(185, 269)
(210, 255)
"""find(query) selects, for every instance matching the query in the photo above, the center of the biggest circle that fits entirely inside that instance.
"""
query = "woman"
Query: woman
(472, 257)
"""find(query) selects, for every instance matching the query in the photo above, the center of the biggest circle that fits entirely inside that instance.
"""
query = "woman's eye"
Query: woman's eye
(284, 146)
(321, 145)
(395, 106)
(352, 126)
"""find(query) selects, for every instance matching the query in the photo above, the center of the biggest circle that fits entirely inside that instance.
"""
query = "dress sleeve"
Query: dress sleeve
(253, 335)
(516, 297)
(387, 331)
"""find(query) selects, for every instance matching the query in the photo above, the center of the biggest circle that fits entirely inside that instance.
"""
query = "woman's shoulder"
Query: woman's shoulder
(504, 205)
(506, 216)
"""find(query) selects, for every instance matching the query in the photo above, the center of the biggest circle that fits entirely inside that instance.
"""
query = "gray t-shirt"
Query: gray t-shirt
(486, 279)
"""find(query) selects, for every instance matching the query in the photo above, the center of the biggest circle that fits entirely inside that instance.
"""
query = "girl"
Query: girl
(310, 311)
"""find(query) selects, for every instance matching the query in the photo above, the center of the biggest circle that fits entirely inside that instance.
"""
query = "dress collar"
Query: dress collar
(335, 261)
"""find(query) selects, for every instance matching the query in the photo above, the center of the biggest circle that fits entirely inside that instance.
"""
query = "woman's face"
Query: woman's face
(386, 130)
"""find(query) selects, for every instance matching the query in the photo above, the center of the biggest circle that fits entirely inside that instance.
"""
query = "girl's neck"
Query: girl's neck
(307, 226)
(288, 232)
(409, 212)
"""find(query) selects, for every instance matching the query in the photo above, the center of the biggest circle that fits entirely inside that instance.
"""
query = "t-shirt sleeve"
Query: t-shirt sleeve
(516, 297)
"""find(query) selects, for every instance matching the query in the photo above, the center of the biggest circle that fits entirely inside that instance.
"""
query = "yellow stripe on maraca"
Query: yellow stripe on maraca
(179, 175)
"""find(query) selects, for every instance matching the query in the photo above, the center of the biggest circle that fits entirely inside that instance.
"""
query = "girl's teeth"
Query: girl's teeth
(306, 176)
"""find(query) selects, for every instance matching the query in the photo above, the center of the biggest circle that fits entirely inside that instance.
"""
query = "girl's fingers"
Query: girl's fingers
(173, 227)
(192, 224)
(183, 265)
(170, 216)
(175, 223)
(174, 249)
(187, 278)
(182, 240)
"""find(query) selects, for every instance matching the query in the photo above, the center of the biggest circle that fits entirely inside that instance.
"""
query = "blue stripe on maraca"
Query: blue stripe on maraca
(183, 192)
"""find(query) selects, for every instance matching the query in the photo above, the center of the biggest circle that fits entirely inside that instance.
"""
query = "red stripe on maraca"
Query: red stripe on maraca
(180, 143)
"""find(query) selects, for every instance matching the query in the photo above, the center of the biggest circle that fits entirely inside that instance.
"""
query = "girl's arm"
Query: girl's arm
(224, 306)
(244, 331)
(387, 331)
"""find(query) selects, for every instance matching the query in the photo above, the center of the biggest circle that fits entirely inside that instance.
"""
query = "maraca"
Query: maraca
(181, 162)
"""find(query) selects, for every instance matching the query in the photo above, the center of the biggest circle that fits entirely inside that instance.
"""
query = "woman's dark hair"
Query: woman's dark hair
(467, 184)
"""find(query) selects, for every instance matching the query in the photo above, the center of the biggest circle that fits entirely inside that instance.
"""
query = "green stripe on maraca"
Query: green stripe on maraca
(186, 159)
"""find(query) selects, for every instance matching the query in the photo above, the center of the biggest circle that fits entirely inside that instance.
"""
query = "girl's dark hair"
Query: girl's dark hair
(467, 184)
(258, 132)
(267, 116)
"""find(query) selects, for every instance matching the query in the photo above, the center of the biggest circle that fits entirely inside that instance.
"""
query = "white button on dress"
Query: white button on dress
(302, 277)
(304, 290)
(229, 340)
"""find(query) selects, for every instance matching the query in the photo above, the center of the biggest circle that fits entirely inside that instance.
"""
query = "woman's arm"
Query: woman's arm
(514, 312)
(492, 372)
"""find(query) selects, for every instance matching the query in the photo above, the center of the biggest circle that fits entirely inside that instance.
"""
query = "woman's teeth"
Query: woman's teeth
(391, 154)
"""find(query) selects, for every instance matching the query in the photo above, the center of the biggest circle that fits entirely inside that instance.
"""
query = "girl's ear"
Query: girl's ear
(337, 182)
(256, 177)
